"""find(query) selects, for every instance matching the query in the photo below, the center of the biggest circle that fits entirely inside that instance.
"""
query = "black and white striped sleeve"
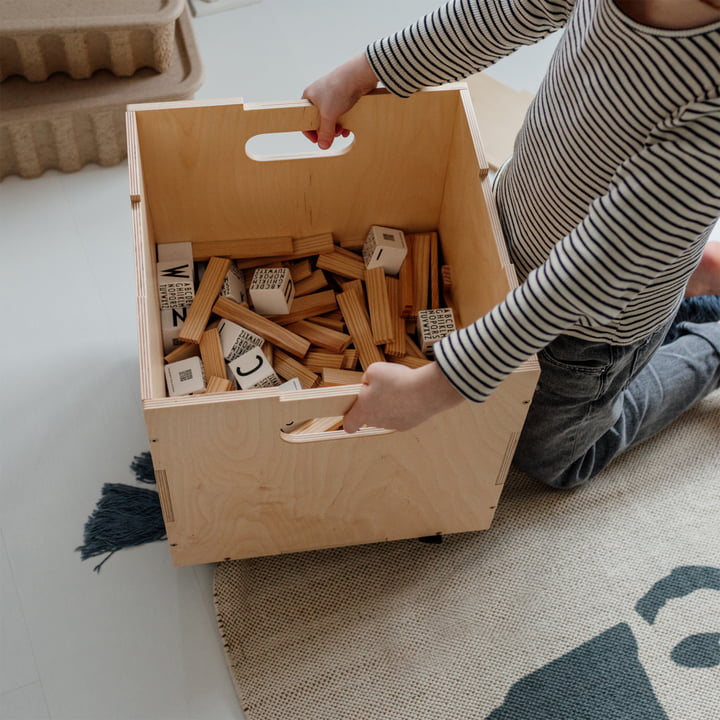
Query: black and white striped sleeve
(461, 38)
(660, 201)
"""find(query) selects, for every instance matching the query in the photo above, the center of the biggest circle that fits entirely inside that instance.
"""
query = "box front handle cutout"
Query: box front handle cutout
(328, 404)
(279, 146)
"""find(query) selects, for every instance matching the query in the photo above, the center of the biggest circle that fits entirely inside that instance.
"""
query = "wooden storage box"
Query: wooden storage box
(232, 485)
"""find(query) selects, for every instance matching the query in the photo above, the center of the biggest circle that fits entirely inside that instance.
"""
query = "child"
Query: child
(606, 206)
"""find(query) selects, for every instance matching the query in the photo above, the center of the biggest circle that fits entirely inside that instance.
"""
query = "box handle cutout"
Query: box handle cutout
(325, 404)
(279, 146)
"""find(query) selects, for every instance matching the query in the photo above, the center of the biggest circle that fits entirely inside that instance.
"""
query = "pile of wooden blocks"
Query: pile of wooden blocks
(304, 312)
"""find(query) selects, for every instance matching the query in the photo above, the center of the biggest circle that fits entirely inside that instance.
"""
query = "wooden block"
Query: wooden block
(269, 352)
(319, 425)
(329, 321)
(352, 243)
(211, 353)
(314, 282)
(385, 247)
(243, 248)
(332, 376)
(208, 291)
(395, 348)
(302, 248)
(420, 243)
(272, 291)
(381, 313)
(300, 270)
(316, 360)
(236, 340)
(288, 367)
(432, 326)
(350, 359)
(264, 327)
(252, 370)
(358, 322)
(183, 352)
(171, 321)
(184, 377)
(407, 284)
(410, 361)
(413, 349)
(176, 287)
(218, 384)
(434, 271)
(344, 263)
(321, 336)
(307, 306)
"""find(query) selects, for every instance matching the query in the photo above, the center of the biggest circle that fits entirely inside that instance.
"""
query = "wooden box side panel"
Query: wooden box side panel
(233, 488)
(202, 185)
(152, 378)
(470, 232)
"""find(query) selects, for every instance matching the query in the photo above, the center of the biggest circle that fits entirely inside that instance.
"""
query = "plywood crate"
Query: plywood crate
(232, 484)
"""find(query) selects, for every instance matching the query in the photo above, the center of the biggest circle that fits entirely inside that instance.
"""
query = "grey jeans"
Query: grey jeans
(595, 400)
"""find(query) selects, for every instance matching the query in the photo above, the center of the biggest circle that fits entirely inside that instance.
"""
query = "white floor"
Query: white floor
(138, 641)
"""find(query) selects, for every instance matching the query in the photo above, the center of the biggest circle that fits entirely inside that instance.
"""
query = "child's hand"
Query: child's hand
(398, 398)
(334, 94)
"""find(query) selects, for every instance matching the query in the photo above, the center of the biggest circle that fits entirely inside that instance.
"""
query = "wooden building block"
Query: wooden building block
(300, 270)
(208, 291)
(434, 325)
(328, 320)
(243, 248)
(211, 353)
(319, 425)
(268, 351)
(358, 322)
(411, 361)
(288, 367)
(185, 376)
(420, 243)
(333, 376)
(407, 285)
(381, 313)
(386, 248)
(252, 370)
(266, 328)
(314, 282)
(316, 360)
(175, 252)
(182, 352)
(302, 248)
(395, 348)
(234, 285)
(344, 263)
(350, 359)
(272, 291)
(236, 340)
(321, 336)
(219, 384)
(412, 348)
(308, 306)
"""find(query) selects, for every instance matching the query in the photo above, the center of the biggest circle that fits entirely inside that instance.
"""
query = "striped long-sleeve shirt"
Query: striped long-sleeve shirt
(614, 183)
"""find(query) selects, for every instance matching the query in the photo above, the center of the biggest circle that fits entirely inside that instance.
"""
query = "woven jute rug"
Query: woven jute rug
(600, 603)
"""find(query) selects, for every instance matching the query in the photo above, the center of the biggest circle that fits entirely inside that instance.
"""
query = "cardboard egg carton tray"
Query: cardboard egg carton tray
(65, 124)
(78, 37)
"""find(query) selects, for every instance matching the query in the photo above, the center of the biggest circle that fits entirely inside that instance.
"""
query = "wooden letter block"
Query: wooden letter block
(381, 314)
(237, 340)
(175, 252)
(434, 325)
(272, 291)
(230, 310)
(185, 377)
(292, 384)
(175, 284)
(234, 285)
(252, 370)
(386, 248)
(356, 318)
(171, 321)
(208, 291)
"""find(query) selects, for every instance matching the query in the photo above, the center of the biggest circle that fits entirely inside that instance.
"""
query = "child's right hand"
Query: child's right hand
(334, 94)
